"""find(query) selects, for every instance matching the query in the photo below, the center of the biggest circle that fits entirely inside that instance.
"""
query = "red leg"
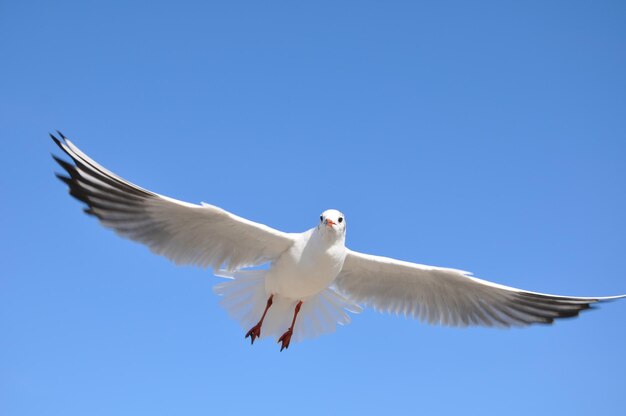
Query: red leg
(255, 331)
(285, 339)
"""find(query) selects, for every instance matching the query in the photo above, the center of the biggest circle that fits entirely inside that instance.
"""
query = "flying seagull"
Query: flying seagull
(310, 279)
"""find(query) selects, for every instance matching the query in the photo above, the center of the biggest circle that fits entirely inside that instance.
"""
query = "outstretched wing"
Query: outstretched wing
(203, 235)
(448, 296)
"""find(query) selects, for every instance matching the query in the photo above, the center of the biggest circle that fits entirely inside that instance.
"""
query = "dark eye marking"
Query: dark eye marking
(321, 218)
(340, 219)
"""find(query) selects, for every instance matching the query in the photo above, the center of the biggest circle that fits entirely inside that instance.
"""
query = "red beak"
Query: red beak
(329, 223)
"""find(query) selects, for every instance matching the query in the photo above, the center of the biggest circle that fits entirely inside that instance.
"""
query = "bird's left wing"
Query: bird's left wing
(203, 235)
(448, 296)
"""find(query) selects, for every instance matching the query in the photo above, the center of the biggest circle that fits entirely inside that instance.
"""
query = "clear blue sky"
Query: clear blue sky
(487, 136)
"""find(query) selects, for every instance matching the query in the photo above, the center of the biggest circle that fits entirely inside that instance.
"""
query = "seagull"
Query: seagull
(299, 285)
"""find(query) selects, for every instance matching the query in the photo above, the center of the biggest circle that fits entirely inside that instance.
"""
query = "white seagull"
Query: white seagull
(311, 276)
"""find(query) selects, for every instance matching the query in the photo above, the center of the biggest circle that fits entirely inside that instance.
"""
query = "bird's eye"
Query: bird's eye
(321, 218)
(340, 219)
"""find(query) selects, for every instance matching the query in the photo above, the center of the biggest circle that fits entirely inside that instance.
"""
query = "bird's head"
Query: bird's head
(332, 221)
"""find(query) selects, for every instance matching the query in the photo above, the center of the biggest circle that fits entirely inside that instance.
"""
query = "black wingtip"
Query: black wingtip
(65, 165)
(61, 134)
(57, 141)
(66, 180)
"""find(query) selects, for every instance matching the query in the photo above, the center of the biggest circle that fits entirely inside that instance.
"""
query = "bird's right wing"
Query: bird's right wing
(203, 235)
(448, 296)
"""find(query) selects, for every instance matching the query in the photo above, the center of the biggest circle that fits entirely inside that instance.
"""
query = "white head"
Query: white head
(332, 221)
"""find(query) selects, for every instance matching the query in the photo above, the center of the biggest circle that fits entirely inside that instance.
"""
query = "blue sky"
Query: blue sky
(488, 136)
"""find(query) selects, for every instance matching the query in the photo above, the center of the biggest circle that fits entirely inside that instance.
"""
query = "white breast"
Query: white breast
(307, 268)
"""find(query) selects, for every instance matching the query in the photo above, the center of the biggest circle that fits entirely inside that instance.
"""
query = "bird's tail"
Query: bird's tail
(245, 297)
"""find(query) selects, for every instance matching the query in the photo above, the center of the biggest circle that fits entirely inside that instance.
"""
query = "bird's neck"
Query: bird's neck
(328, 237)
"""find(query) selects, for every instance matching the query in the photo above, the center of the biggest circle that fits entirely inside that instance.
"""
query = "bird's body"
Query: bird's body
(312, 278)
(309, 266)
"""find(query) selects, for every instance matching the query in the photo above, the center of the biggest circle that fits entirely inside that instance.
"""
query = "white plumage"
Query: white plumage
(312, 280)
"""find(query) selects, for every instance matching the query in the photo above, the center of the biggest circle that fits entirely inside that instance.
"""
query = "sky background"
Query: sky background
(488, 136)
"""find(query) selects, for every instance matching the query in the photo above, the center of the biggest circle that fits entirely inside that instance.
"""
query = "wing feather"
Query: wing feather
(204, 235)
(448, 296)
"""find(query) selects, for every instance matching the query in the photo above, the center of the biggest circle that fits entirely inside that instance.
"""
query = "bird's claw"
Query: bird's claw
(254, 333)
(285, 339)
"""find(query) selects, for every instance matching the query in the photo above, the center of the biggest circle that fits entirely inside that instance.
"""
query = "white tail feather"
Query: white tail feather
(245, 297)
